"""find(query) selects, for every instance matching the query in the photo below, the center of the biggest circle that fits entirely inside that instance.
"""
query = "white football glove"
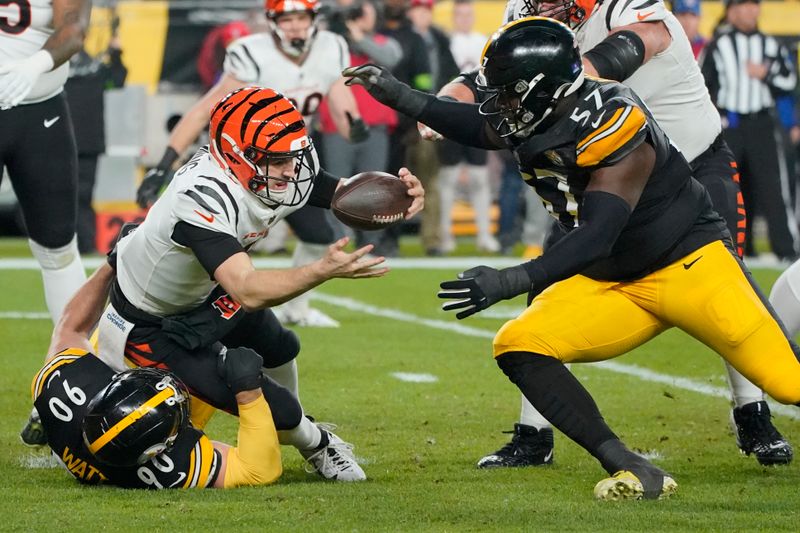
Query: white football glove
(18, 77)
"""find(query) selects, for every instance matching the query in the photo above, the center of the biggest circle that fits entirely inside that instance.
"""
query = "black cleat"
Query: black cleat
(33, 433)
(528, 447)
(756, 435)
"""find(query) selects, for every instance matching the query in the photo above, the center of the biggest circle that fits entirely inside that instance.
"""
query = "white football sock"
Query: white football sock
(742, 390)
(785, 298)
(286, 376)
(62, 274)
(447, 183)
(306, 436)
(481, 197)
(529, 416)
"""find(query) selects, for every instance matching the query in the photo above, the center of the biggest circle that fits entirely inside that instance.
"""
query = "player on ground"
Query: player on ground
(304, 63)
(639, 240)
(186, 286)
(132, 429)
(632, 42)
(37, 38)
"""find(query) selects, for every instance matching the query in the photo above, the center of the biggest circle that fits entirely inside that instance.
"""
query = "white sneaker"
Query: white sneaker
(334, 461)
(488, 244)
(313, 318)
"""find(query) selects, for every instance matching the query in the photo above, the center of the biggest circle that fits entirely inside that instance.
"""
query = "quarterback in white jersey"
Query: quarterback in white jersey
(305, 64)
(641, 44)
(37, 38)
(186, 288)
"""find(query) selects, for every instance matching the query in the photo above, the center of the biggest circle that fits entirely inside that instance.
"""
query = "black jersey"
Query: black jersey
(62, 390)
(674, 214)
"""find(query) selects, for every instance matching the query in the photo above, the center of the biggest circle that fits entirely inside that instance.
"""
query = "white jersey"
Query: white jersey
(467, 49)
(257, 60)
(671, 83)
(162, 277)
(24, 28)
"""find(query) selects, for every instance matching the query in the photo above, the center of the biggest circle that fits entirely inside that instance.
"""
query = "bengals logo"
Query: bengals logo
(226, 306)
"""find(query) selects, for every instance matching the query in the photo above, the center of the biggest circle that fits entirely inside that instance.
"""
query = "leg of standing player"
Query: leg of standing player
(785, 298)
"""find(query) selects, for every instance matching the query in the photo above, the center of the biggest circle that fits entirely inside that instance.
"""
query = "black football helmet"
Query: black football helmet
(136, 417)
(526, 68)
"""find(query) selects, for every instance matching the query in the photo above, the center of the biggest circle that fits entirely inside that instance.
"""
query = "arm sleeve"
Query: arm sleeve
(603, 216)
(324, 187)
(623, 13)
(381, 49)
(459, 122)
(256, 460)
(211, 248)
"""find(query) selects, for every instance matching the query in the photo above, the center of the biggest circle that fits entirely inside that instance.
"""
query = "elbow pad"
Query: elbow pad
(618, 56)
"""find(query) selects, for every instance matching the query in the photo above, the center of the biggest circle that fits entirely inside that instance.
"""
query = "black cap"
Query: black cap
(729, 3)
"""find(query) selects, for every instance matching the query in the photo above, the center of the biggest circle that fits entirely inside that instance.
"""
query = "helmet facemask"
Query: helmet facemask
(518, 108)
(296, 189)
(571, 12)
(295, 47)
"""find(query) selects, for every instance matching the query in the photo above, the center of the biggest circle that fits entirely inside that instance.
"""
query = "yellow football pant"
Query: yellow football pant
(706, 294)
(256, 460)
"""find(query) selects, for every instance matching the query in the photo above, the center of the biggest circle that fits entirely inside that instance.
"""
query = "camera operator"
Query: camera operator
(356, 22)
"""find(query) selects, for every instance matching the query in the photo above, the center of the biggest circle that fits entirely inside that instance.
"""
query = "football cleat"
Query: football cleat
(528, 447)
(312, 318)
(756, 435)
(334, 461)
(625, 485)
(33, 433)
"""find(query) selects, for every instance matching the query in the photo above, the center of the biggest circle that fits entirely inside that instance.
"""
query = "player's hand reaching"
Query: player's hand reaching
(240, 368)
(415, 190)
(359, 131)
(386, 89)
(156, 178)
(18, 77)
(337, 263)
(480, 287)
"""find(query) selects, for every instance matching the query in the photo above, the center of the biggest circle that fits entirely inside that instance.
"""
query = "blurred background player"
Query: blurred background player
(357, 23)
(466, 46)
(745, 71)
(37, 39)
(305, 63)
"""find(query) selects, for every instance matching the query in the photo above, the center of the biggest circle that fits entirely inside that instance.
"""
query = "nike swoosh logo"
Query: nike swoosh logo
(181, 477)
(641, 16)
(207, 218)
(597, 122)
(687, 266)
(50, 121)
(548, 456)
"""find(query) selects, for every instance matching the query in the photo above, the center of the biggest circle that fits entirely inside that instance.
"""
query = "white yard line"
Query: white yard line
(411, 377)
(22, 315)
(644, 374)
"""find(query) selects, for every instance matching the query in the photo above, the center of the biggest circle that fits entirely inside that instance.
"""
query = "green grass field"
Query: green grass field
(419, 441)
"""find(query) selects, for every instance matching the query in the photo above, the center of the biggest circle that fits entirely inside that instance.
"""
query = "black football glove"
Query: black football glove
(386, 89)
(155, 179)
(359, 131)
(240, 368)
(480, 287)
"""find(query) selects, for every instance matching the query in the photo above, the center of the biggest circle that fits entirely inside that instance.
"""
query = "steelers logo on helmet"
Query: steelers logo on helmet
(261, 141)
(293, 30)
(136, 417)
(527, 67)
(571, 12)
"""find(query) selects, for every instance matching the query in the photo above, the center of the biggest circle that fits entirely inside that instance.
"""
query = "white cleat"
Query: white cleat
(334, 461)
(313, 318)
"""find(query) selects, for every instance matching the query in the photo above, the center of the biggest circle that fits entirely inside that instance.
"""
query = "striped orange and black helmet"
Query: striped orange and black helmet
(251, 127)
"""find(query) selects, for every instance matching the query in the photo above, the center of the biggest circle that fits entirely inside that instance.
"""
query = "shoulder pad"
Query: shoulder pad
(625, 12)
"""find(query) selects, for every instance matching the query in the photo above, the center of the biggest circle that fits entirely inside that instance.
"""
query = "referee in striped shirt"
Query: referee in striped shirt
(745, 71)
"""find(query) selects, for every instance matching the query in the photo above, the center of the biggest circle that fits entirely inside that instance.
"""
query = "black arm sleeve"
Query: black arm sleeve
(211, 248)
(618, 56)
(459, 122)
(325, 185)
(603, 217)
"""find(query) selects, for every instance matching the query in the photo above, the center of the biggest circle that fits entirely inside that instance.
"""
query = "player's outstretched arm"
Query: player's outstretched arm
(257, 289)
(456, 90)
(256, 460)
(82, 312)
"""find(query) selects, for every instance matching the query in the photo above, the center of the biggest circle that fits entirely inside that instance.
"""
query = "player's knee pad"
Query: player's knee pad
(518, 366)
(285, 347)
(516, 336)
(286, 410)
(55, 258)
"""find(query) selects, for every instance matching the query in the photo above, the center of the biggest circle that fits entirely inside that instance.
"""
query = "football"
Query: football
(371, 200)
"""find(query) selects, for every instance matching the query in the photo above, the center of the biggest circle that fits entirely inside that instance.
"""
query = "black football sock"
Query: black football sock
(559, 397)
